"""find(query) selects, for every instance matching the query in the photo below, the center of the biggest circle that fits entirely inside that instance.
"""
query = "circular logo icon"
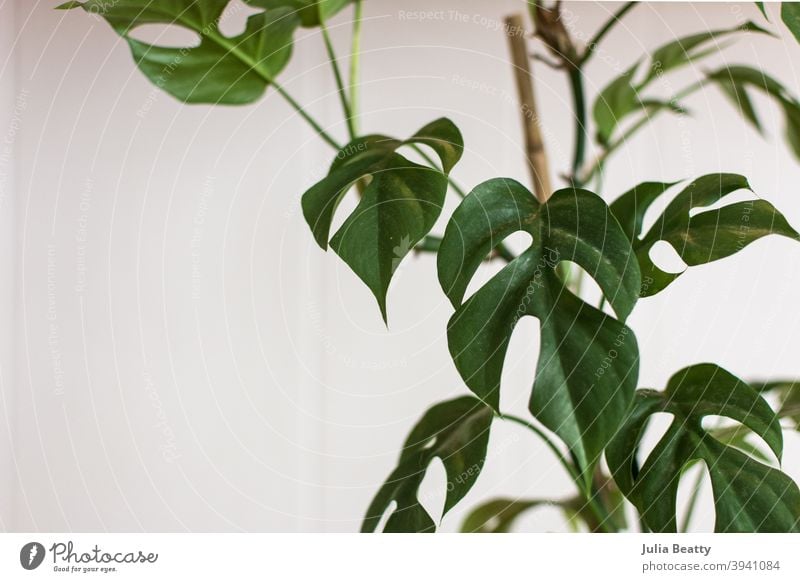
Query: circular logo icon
(31, 555)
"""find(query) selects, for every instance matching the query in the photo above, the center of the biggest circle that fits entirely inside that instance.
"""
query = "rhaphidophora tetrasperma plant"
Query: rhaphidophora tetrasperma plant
(585, 388)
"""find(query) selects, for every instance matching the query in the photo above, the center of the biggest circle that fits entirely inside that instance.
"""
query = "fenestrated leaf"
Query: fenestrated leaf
(398, 207)
(311, 12)
(455, 431)
(739, 436)
(790, 14)
(787, 393)
(749, 496)
(588, 361)
(735, 81)
(220, 70)
(630, 208)
(697, 237)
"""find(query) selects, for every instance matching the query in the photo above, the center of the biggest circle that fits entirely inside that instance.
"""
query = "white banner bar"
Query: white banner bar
(406, 558)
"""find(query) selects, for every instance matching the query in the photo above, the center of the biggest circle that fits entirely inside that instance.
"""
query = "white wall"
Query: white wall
(9, 122)
(183, 357)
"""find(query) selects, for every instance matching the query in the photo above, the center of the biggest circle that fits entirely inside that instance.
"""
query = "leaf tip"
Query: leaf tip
(382, 306)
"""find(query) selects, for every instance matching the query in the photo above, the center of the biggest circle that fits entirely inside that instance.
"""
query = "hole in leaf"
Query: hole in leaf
(166, 35)
(713, 422)
(655, 428)
(412, 154)
(667, 258)
(740, 196)
(430, 443)
(732, 433)
(655, 211)
(516, 242)
(431, 493)
(234, 18)
(590, 290)
(385, 517)
(519, 364)
(702, 518)
(344, 209)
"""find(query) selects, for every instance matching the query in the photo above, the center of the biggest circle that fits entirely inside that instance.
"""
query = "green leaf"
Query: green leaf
(499, 515)
(630, 208)
(311, 12)
(653, 105)
(398, 208)
(790, 14)
(683, 51)
(788, 395)
(220, 69)
(791, 112)
(763, 10)
(697, 237)
(735, 81)
(624, 96)
(588, 361)
(737, 436)
(738, 95)
(749, 496)
(621, 98)
(455, 431)
(617, 100)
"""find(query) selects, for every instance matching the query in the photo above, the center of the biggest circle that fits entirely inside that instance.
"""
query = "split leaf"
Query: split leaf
(698, 236)
(398, 207)
(220, 69)
(455, 431)
(749, 496)
(588, 360)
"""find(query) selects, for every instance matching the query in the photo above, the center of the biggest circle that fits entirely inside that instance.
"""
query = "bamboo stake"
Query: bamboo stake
(523, 74)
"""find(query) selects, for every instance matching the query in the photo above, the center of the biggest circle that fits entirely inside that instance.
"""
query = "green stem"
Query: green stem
(453, 184)
(234, 50)
(310, 120)
(429, 244)
(337, 73)
(579, 106)
(355, 63)
(622, 140)
(589, 495)
(502, 250)
(532, 10)
(591, 46)
(548, 441)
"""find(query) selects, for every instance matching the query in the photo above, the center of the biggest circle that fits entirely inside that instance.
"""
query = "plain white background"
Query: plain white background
(177, 354)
